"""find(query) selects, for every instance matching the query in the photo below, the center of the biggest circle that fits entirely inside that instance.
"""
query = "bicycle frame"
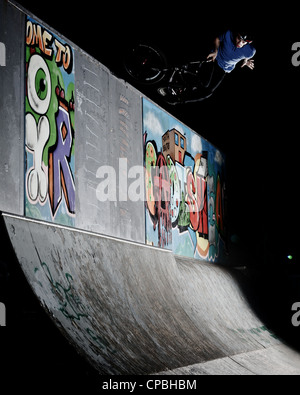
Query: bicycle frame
(147, 65)
(177, 75)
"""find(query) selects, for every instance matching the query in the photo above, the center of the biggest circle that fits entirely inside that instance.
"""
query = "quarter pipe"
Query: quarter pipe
(136, 309)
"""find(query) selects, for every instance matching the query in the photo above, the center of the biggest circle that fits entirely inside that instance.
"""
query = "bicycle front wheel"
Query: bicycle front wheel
(145, 64)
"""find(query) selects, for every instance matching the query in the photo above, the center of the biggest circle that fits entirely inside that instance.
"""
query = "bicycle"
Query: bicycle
(147, 65)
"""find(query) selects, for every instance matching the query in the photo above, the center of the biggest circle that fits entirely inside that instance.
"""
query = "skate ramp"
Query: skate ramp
(135, 309)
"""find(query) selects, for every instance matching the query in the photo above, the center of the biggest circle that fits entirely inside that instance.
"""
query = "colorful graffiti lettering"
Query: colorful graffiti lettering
(185, 187)
(49, 127)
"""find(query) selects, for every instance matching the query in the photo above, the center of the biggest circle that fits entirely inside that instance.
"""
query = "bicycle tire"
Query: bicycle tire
(145, 64)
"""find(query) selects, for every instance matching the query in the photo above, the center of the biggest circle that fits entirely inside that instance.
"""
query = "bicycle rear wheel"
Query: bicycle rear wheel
(145, 64)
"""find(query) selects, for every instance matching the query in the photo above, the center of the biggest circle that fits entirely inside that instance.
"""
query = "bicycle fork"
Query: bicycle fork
(172, 90)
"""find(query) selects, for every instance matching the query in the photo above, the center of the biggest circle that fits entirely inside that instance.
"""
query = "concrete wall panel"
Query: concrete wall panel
(92, 117)
(109, 144)
(127, 160)
(12, 109)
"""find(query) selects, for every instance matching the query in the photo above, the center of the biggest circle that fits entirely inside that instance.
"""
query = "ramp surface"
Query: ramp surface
(134, 309)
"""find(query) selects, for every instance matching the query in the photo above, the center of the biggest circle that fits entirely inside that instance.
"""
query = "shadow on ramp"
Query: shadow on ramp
(134, 309)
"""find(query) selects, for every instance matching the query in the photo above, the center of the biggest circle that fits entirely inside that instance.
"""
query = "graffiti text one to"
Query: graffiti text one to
(36, 35)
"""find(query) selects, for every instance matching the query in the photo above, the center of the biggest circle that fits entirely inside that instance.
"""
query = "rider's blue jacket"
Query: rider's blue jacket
(229, 55)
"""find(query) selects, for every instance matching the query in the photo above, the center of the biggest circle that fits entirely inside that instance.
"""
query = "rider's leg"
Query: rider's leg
(204, 92)
(205, 73)
(217, 77)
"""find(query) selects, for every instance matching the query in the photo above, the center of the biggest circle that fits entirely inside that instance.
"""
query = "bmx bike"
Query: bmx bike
(147, 65)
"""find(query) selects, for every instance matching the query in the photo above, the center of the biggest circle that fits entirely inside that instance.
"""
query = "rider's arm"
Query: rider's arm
(212, 56)
(249, 63)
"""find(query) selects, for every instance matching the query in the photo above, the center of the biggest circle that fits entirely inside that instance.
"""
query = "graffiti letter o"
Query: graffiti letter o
(38, 99)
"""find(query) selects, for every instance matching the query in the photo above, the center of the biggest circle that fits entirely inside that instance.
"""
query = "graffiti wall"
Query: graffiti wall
(185, 188)
(49, 126)
(184, 174)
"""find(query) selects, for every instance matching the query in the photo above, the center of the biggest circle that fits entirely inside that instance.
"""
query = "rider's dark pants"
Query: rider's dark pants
(211, 76)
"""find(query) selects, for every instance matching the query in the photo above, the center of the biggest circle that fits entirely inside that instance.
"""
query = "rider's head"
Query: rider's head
(242, 38)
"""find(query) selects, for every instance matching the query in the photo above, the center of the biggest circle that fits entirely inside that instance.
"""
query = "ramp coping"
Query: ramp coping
(77, 230)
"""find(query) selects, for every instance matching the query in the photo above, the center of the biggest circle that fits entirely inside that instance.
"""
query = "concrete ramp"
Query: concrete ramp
(135, 309)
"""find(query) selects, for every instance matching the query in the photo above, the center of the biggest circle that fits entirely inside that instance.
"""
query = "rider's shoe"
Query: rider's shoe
(170, 96)
(162, 91)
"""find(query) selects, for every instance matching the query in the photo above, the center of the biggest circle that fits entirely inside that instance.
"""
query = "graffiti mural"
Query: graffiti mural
(185, 188)
(49, 127)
